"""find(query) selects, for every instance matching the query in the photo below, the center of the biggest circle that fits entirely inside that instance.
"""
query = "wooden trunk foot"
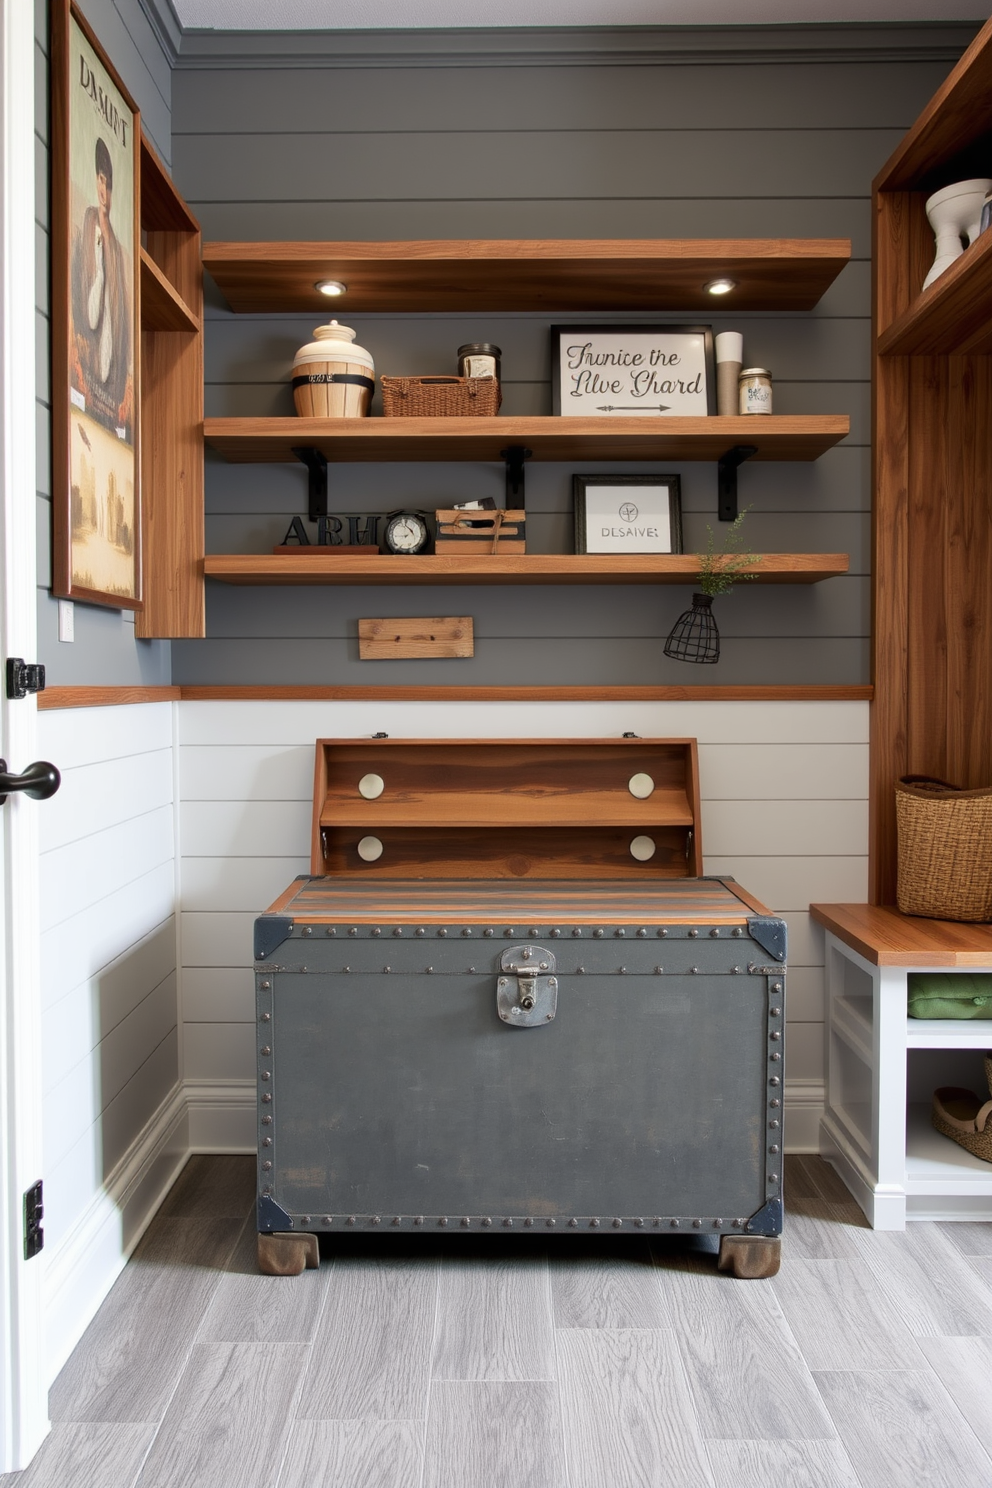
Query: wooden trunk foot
(286, 1253)
(749, 1257)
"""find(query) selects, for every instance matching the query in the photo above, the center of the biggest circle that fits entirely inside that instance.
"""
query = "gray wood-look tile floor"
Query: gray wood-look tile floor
(486, 1363)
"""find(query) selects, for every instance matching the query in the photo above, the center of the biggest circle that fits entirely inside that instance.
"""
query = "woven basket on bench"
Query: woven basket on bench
(440, 397)
(945, 849)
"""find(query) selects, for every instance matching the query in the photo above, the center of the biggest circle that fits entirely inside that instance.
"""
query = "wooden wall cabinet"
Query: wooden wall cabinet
(171, 409)
(932, 712)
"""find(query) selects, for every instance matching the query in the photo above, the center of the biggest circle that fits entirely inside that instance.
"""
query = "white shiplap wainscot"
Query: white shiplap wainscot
(785, 811)
(115, 1130)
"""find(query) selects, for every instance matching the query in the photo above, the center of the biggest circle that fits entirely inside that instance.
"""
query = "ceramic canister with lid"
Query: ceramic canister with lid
(333, 378)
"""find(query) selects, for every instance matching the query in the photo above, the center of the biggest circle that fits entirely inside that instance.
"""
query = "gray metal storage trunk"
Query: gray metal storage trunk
(547, 1055)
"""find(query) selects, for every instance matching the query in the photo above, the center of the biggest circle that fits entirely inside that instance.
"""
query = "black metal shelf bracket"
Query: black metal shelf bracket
(515, 455)
(726, 486)
(316, 464)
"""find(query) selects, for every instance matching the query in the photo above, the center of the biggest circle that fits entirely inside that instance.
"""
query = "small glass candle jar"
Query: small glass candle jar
(755, 386)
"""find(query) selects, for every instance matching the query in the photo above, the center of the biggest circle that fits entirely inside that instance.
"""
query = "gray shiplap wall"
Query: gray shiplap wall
(104, 651)
(282, 146)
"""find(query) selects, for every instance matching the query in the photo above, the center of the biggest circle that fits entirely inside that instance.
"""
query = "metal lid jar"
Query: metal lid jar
(479, 359)
(333, 378)
(755, 387)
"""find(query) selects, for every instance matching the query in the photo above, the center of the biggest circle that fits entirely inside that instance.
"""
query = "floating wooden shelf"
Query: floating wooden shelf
(543, 275)
(953, 316)
(323, 566)
(162, 309)
(273, 440)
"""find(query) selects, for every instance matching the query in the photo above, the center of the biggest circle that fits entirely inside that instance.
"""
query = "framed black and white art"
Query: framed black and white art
(627, 513)
(616, 371)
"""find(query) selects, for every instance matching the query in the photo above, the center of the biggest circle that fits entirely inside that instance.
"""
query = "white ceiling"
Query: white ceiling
(339, 15)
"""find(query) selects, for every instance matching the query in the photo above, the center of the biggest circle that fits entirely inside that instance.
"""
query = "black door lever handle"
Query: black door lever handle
(39, 780)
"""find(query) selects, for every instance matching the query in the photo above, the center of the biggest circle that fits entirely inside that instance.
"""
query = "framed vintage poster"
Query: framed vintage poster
(96, 470)
(621, 371)
(627, 513)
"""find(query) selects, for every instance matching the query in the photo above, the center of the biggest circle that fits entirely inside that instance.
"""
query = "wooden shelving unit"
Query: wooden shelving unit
(547, 276)
(171, 409)
(324, 566)
(550, 277)
(933, 471)
(269, 440)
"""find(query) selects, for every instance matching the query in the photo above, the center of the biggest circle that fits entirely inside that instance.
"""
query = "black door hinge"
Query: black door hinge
(34, 1235)
(24, 677)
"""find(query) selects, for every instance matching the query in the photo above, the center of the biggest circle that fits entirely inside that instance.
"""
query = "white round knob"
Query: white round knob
(371, 786)
(641, 786)
(642, 848)
(370, 848)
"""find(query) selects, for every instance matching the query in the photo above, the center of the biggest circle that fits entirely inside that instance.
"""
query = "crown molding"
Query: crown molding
(617, 46)
(168, 28)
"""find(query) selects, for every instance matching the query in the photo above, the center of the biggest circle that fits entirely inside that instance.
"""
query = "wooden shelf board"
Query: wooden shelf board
(162, 208)
(162, 308)
(543, 275)
(953, 316)
(887, 938)
(514, 809)
(959, 113)
(272, 440)
(323, 566)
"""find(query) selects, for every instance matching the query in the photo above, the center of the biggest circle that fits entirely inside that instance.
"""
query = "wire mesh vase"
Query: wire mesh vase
(694, 636)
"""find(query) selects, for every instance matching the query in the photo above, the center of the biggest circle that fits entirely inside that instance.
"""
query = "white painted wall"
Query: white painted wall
(784, 788)
(114, 1121)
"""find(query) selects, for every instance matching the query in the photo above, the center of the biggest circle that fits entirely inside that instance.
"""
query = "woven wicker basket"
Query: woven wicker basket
(945, 850)
(440, 397)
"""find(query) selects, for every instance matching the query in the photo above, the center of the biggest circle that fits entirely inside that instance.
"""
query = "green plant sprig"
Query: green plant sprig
(719, 572)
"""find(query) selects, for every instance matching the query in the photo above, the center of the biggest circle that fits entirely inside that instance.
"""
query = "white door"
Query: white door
(23, 1392)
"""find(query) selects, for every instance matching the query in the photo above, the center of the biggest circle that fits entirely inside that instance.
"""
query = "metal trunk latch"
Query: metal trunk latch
(527, 992)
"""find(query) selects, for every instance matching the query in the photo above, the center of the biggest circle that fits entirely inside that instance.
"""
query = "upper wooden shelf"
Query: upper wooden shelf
(542, 275)
(324, 566)
(957, 116)
(273, 440)
(953, 316)
(162, 208)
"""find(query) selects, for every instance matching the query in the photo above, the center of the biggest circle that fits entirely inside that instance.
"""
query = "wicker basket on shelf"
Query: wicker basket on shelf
(944, 849)
(440, 397)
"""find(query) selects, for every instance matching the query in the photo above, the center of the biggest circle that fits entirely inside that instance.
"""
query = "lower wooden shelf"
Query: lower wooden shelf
(324, 566)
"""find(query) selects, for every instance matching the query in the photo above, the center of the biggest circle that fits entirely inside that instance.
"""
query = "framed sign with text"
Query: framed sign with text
(622, 371)
(627, 513)
(95, 322)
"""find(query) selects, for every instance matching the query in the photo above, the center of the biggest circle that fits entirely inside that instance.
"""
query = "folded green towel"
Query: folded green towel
(938, 994)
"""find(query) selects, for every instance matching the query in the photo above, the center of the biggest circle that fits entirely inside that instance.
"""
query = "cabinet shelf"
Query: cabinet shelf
(953, 316)
(162, 308)
(273, 440)
(549, 276)
(323, 566)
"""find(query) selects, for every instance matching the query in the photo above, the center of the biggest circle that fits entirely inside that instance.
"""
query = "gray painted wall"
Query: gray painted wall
(104, 651)
(277, 142)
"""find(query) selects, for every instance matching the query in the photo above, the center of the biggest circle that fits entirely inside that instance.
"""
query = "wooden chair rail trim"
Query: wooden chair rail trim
(108, 697)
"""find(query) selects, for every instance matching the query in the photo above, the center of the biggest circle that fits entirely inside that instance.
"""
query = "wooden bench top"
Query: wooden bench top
(885, 937)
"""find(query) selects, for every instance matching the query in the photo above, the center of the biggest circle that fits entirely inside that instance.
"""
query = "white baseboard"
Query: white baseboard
(80, 1273)
(803, 1112)
(221, 1115)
